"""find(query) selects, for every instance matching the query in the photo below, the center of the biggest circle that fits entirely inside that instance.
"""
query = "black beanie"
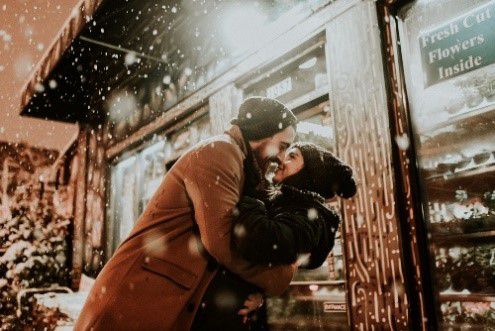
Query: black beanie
(261, 117)
(323, 173)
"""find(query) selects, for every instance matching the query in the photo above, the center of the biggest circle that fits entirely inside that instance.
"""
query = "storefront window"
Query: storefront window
(448, 49)
(191, 43)
(300, 81)
(137, 176)
(316, 298)
(133, 181)
(123, 201)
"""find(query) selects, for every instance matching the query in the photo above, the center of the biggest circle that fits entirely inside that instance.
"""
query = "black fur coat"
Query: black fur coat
(290, 224)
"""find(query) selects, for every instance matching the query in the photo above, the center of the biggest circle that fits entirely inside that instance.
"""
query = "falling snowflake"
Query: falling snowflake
(38, 87)
(5, 36)
(312, 214)
(313, 287)
(155, 245)
(402, 142)
(239, 230)
(23, 65)
(53, 84)
(303, 259)
(121, 105)
(167, 79)
(193, 246)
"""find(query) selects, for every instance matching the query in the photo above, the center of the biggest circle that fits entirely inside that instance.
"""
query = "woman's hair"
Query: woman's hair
(322, 173)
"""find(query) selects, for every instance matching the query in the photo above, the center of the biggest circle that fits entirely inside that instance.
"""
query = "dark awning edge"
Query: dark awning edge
(80, 15)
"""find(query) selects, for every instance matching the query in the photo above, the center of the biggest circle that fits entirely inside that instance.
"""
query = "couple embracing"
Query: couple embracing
(217, 236)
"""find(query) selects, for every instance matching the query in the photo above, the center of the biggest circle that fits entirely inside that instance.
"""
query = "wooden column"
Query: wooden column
(95, 201)
(80, 162)
(224, 105)
(375, 279)
(89, 215)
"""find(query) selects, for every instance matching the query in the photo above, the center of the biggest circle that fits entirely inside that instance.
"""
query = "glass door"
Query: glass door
(123, 202)
(133, 181)
(448, 55)
(316, 299)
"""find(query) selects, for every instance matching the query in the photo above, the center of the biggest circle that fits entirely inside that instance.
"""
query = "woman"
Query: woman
(280, 226)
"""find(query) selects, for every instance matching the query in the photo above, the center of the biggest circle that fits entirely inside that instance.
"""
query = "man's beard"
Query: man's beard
(256, 184)
(266, 164)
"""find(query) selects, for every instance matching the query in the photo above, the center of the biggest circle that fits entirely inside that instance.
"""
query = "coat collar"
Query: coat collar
(235, 133)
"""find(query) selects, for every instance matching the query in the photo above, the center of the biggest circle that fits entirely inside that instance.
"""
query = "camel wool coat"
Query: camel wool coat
(158, 275)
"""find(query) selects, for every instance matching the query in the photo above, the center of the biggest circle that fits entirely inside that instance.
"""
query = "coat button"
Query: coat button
(190, 307)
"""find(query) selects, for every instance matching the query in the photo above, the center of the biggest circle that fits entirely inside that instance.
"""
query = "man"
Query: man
(158, 275)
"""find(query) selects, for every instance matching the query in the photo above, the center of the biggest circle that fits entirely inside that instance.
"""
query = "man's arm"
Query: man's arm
(213, 183)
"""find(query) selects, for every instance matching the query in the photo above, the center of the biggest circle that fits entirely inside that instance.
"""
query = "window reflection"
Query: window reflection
(453, 120)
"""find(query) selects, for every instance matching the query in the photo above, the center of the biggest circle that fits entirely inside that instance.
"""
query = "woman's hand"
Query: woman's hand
(252, 303)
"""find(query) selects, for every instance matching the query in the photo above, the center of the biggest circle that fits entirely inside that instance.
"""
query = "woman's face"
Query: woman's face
(292, 164)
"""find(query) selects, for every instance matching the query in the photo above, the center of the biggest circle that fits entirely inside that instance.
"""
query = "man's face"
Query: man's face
(273, 149)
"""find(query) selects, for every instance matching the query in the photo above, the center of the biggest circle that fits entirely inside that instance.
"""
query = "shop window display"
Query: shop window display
(136, 177)
(448, 56)
(190, 48)
(316, 298)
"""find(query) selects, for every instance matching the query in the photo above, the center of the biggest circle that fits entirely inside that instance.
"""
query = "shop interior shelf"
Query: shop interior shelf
(443, 188)
(477, 114)
(463, 326)
(456, 145)
(464, 174)
(445, 239)
(335, 298)
(466, 297)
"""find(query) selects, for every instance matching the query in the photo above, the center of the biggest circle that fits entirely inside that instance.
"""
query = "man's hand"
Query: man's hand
(252, 303)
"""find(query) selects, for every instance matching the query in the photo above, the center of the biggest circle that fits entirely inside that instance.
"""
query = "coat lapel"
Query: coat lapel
(235, 133)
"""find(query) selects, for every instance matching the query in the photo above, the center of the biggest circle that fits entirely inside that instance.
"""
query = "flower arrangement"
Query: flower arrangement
(468, 216)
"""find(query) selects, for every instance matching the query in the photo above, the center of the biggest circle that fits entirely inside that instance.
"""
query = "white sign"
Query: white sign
(280, 88)
(329, 307)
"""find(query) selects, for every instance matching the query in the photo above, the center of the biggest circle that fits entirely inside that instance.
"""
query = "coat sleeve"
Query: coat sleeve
(213, 183)
(278, 239)
(328, 221)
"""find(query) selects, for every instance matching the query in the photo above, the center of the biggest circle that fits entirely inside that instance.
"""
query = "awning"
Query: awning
(80, 16)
